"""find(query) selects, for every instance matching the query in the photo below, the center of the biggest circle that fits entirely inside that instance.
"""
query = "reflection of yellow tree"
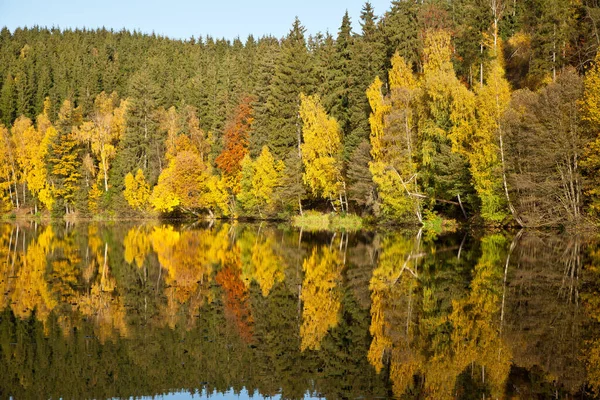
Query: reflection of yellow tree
(6, 238)
(426, 342)
(468, 336)
(475, 336)
(137, 246)
(103, 302)
(31, 291)
(189, 259)
(321, 296)
(260, 263)
(392, 286)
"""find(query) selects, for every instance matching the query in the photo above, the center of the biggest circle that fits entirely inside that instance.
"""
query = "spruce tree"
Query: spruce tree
(293, 75)
(141, 147)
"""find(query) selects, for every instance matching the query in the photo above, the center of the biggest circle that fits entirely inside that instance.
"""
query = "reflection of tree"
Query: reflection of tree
(427, 343)
(7, 255)
(236, 297)
(137, 246)
(260, 262)
(189, 259)
(103, 303)
(31, 291)
(590, 299)
(475, 334)
(320, 296)
(393, 286)
(445, 316)
(543, 322)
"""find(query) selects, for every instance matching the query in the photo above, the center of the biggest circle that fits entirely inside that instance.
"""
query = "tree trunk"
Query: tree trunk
(510, 206)
(105, 169)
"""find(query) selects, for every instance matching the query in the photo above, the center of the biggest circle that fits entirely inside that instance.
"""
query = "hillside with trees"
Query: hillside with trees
(479, 111)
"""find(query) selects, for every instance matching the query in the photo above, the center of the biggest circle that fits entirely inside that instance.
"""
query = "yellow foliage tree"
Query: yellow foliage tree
(393, 133)
(259, 180)
(188, 183)
(105, 130)
(6, 169)
(486, 166)
(26, 141)
(321, 150)
(37, 178)
(137, 190)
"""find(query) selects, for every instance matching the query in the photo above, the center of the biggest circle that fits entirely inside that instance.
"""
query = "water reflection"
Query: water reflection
(99, 311)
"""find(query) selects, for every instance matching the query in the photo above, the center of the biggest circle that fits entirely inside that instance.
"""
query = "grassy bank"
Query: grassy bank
(316, 221)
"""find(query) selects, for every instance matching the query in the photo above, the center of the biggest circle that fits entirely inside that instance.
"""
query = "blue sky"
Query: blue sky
(183, 18)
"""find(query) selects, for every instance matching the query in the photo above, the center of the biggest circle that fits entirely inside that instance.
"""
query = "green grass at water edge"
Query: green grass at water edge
(316, 221)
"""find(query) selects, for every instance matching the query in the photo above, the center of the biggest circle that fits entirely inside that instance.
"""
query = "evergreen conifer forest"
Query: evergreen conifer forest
(486, 111)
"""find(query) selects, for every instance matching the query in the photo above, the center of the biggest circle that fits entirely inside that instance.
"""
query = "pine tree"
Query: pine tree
(141, 145)
(361, 189)
(291, 191)
(293, 75)
(7, 100)
(366, 62)
(268, 53)
(401, 31)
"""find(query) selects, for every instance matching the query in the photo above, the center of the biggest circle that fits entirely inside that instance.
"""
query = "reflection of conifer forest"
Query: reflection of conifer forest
(99, 311)
(485, 111)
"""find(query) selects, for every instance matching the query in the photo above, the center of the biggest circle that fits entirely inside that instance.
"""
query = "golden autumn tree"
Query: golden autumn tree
(64, 162)
(259, 180)
(188, 183)
(321, 151)
(235, 145)
(26, 140)
(393, 142)
(137, 191)
(7, 181)
(492, 100)
(446, 114)
(37, 178)
(105, 130)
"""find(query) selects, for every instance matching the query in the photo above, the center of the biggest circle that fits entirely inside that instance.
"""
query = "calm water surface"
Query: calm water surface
(251, 311)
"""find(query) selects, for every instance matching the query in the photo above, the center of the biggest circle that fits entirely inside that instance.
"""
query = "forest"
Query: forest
(478, 111)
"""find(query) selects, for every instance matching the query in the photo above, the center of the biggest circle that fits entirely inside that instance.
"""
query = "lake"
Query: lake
(262, 310)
